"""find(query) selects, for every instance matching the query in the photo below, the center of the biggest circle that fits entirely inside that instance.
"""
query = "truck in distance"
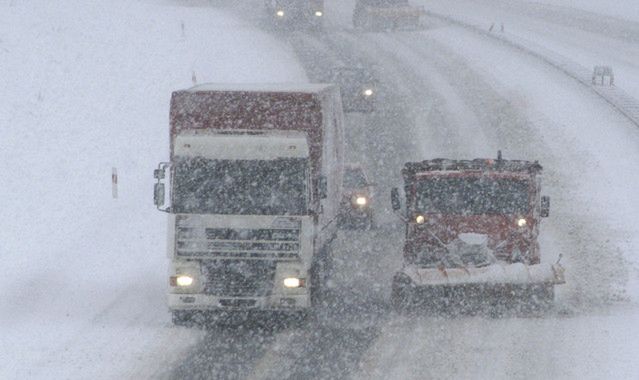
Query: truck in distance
(357, 201)
(359, 88)
(296, 14)
(254, 177)
(472, 231)
(379, 15)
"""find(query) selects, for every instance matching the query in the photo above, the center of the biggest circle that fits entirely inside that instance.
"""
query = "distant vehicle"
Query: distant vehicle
(296, 13)
(356, 208)
(472, 234)
(378, 15)
(255, 176)
(359, 88)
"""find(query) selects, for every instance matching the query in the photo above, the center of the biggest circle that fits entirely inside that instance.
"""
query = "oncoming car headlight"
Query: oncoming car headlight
(319, 13)
(368, 92)
(521, 222)
(279, 13)
(361, 200)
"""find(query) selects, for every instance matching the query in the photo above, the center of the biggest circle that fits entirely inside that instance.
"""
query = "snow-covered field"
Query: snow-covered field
(84, 87)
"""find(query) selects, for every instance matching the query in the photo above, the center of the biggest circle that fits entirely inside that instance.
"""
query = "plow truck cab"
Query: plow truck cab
(472, 230)
(254, 182)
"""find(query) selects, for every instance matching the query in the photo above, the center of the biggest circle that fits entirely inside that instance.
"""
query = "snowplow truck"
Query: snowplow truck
(296, 14)
(471, 238)
(254, 182)
(379, 15)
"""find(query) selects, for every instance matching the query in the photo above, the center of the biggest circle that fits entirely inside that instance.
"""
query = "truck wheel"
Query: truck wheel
(401, 296)
(320, 274)
(543, 297)
(537, 300)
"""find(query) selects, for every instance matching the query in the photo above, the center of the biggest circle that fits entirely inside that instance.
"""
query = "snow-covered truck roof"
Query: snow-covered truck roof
(308, 88)
(263, 107)
(441, 165)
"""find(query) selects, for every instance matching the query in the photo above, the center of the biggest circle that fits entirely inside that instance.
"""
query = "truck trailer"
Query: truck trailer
(254, 182)
(472, 230)
(379, 15)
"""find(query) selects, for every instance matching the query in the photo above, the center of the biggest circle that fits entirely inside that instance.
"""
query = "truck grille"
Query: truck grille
(238, 278)
(238, 243)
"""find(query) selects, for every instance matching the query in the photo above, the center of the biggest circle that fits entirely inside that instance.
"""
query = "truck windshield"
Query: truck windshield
(240, 187)
(473, 196)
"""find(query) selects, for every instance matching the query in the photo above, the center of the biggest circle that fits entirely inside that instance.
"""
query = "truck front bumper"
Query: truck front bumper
(276, 302)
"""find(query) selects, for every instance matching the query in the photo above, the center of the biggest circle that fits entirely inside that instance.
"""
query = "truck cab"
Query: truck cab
(473, 224)
(254, 180)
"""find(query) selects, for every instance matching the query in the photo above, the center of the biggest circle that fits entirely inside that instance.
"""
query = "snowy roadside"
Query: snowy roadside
(554, 34)
(84, 87)
(625, 9)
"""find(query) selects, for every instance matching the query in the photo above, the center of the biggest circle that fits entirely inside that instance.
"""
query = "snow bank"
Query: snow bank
(628, 9)
(84, 87)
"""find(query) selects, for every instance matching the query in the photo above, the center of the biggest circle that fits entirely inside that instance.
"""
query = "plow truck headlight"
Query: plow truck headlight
(368, 92)
(279, 13)
(319, 13)
(294, 282)
(420, 219)
(181, 280)
(521, 222)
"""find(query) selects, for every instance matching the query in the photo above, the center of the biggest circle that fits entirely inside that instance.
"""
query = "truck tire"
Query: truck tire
(402, 298)
(537, 300)
(543, 297)
(321, 271)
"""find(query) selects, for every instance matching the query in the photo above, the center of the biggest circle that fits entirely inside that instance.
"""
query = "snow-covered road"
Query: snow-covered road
(84, 294)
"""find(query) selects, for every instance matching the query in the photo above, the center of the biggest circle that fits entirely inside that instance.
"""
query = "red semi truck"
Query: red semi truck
(472, 231)
(254, 177)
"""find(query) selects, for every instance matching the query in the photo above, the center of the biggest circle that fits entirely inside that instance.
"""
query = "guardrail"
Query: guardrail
(626, 104)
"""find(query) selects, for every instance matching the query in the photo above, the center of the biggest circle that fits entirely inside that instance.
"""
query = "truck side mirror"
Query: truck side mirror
(395, 201)
(545, 206)
(323, 187)
(158, 194)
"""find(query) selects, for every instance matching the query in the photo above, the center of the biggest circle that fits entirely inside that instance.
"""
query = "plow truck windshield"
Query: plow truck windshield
(472, 196)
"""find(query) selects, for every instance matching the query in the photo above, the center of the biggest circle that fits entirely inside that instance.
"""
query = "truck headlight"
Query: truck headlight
(368, 92)
(319, 13)
(294, 282)
(181, 280)
(279, 13)
(420, 219)
(521, 222)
